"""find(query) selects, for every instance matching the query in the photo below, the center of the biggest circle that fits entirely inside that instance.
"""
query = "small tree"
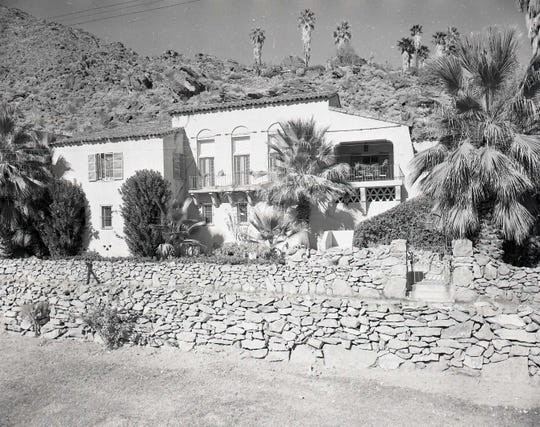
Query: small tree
(63, 228)
(142, 196)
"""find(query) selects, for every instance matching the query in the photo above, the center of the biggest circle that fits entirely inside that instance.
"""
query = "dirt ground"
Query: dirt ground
(68, 383)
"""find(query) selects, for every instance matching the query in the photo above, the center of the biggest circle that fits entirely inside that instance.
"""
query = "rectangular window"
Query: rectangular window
(206, 171)
(242, 212)
(106, 217)
(272, 161)
(206, 213)
(241, 170)
(105, 166)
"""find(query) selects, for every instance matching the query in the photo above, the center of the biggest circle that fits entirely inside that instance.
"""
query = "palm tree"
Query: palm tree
(416, 33)
(532, 19)
(25, 172)
(406, 47)
(257, 40)
(272, 225)
(422, 54)
(451, 40)
(439, 40)
(342, 34)
(306, 22)
(486, 164)
(306, 172)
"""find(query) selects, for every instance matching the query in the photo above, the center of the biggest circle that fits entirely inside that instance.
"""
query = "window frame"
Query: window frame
(102, 217)
(238, 213)
(205, 206)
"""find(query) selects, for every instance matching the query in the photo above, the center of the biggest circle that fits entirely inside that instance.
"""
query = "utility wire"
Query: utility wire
(92, 8)
(116, 9)
(135, 13)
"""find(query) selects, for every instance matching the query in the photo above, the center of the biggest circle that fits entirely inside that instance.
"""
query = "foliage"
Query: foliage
(306, 171)
(37, 313)
(346, 55)
(343, 33)
(25, 172)
(177, 229)
(244, 253)
(272, 225)
(411, 220)
(532, 20)
(143, 194)
(486, 164)
(114, 326)
(65, 225)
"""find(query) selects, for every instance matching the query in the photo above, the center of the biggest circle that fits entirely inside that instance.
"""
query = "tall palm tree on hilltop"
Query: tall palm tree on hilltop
(306, 171)
(342, 34)
(306, 22)
(439, 40)
(406, 46)
(416, 33)
(532, 19)
(486, 164)
(257, 37)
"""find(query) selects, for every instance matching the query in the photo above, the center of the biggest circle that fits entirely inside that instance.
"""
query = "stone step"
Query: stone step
(431, 291)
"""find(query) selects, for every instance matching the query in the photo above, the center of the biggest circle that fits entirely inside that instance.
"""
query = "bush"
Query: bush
(65, 226)
(144, 196)
(411, 220)
(113, 326)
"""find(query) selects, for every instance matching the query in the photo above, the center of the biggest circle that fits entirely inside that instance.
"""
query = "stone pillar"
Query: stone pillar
(462, 274)
(398, 193)
(363, 199)
(396, 279)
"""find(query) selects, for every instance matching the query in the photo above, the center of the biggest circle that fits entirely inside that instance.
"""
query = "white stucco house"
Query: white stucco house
(218, 154)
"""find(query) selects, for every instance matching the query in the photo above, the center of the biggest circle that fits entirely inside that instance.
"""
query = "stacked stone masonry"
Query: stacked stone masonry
(312, 312)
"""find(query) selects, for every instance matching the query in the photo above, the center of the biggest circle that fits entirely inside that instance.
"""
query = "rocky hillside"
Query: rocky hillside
(69, 81)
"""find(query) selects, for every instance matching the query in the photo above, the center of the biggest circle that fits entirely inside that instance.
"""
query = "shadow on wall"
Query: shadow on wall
(340, 218)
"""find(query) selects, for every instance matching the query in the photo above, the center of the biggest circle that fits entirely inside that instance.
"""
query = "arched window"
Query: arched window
(240, 140)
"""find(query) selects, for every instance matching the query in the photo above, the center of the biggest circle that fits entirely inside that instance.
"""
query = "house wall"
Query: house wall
(221, 126)
(138, 154)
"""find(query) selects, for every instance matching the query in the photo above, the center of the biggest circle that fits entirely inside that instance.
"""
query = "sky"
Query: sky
(221, 27)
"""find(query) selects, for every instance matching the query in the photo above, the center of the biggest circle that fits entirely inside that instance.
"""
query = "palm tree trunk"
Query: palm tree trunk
(489, 240)
(303, 211)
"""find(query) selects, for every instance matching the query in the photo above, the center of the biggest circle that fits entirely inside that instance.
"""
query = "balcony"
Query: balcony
(227, 182)
(375, 172)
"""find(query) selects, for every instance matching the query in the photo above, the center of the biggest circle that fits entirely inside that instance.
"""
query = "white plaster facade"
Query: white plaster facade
(144, 152)
(235, 136)
(225, 131)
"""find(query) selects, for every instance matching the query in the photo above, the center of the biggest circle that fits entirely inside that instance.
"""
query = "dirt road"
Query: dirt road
(72, 383)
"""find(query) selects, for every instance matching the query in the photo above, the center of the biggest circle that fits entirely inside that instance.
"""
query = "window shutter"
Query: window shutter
(92, 172)
(118, 166)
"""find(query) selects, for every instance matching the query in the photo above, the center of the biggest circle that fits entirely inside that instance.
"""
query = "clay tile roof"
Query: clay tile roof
(138, 131)
(247, 103)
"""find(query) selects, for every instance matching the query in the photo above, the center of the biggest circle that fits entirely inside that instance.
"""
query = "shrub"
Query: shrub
(411, 220)
(144, 196)
(65, 225)
(37, 313)
(113, 326)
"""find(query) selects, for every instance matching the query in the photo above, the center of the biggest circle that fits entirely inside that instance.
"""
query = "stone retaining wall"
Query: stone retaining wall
(477, 274)
(314, 328)
(367, 273)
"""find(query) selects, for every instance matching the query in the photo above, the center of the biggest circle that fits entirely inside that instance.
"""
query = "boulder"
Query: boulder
(509, 321)
(389, 361)
(395, 287)
(337, 357)
(462, 248)
(462, 277)
(463, 330)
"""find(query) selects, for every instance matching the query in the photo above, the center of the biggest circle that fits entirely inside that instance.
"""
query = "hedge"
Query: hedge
(411, 220)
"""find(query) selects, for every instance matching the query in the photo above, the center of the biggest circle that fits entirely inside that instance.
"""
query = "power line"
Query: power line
(117, 9)
(92, 8)
(135, 13)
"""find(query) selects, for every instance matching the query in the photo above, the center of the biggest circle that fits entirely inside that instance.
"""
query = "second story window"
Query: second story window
(105, 167)
(241, 173)
(106, 217)
(206, 171)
